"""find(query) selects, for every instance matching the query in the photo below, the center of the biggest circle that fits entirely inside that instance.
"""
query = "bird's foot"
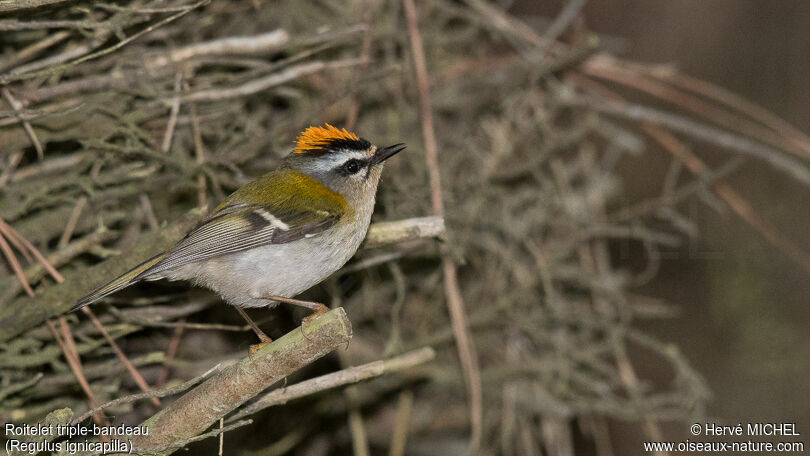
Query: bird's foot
(264, 339)
(317, 308)
(320, 309)
(256, 347)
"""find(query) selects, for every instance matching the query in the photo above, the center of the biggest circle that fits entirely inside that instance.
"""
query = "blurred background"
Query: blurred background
(625, 192)
(745, 305)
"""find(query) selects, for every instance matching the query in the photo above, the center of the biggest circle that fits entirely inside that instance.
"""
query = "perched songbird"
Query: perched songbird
(282, 233)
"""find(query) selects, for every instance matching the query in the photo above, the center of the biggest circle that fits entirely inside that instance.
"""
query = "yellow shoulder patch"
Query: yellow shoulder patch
(317, 137)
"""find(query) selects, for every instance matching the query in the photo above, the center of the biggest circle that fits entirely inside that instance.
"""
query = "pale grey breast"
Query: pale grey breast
(277, 269)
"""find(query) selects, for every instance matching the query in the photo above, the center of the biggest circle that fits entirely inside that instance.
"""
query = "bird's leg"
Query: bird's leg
(264, 338)
(317, 308)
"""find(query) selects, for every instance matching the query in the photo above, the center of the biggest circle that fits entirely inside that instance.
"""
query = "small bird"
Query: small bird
(280, 234)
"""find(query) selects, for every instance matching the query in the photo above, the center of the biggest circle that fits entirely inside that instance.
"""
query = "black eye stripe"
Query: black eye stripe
(352, 166)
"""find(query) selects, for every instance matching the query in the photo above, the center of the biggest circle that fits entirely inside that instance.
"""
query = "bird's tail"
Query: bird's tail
(126, 279)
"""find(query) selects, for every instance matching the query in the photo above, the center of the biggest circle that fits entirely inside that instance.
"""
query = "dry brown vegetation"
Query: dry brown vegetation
(122, 120)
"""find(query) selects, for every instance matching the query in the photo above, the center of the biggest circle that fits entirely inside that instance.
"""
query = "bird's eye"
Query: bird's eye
(352, 166)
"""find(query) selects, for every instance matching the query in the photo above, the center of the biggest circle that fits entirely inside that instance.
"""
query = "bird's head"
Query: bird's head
(341, 160)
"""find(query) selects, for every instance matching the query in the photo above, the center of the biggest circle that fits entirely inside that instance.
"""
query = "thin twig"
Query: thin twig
(170, 352)
(336, 379)
(148, 212)
(13, 161)
(357, 429)
(37, 271)
(34, 49)
(266, 82)
(133, 371)
(221, 436)
(736, 202)
(72, 221)
(12, 233)
(70, 53)
(173, 112)
(15, 241)
(377, 260)
(455, 302)
(734, 101)
(790, 166)
(163, 392)
(365, 53)
(25, 4)
(47, 166)
(260, 43)
(199, 154)
(606, 68)
(403, 418)
(17, 106)
(68, 347)
(22, 244)
(593, 260)
(169, 448)
(16, 25)
(6, 78)
(168, 9)
(163, 64)
(561, 22)
(507, 24)
(15, 264)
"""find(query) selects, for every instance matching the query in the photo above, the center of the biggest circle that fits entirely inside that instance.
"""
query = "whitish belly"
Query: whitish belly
(278, 269)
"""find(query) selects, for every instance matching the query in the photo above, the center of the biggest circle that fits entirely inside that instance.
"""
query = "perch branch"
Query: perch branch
(197, 410)
(385, 233)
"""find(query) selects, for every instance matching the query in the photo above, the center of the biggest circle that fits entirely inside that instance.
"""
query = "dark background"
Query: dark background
(745, 306)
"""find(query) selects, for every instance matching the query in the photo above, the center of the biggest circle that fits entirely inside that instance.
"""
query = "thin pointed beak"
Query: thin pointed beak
(387, 152)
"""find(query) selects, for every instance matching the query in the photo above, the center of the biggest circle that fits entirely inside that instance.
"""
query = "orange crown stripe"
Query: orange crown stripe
(317, 137)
